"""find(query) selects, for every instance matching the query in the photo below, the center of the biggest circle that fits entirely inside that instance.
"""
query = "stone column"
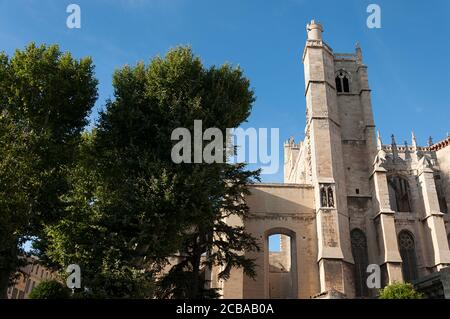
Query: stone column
(389, 257)
(434, 219)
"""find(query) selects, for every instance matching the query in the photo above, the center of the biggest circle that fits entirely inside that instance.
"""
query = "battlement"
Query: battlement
(440, 145)
(413, 148)
(345, 56)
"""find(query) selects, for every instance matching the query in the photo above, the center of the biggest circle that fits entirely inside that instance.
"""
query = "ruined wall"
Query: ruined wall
(286, 209)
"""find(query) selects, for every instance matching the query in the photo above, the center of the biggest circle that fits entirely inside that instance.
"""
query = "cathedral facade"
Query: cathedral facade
(348, 200)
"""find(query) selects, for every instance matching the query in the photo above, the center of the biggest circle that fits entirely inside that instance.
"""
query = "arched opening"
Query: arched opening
(342, 82)
(399, 194)
(282, 266)
(408, 253)
(360, 256)
(338, 84)
(346, 84)
(448, 239)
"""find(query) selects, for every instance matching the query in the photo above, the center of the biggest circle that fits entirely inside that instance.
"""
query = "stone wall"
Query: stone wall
(280, 209)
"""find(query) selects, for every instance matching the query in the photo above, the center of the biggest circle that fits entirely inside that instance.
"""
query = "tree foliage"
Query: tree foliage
(50, 289)
(400, 291)
(45, 97)
(131, 210)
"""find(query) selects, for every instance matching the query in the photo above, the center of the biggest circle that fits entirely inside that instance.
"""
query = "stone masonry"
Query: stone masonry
(347, 200)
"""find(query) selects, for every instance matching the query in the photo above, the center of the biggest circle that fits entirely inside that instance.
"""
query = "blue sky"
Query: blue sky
(407, 58)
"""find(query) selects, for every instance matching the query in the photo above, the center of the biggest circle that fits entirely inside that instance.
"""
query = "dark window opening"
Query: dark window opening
(342, 83)
(326, 196)
(346, 85)
(357, 191)
(440, 193)
(399, 194)
(338, 84)
(408, 254)
(360, 255)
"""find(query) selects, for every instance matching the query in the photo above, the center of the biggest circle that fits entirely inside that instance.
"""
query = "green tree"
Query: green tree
(50, 289)
(86, 236)
(400, 291)
(186, 204)
(143, 207)
(45, 97)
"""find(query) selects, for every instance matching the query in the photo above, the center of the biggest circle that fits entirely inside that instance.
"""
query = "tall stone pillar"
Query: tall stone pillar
(434, 219)
(390, 259)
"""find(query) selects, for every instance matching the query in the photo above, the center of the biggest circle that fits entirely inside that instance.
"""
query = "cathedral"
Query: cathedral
(348, 200)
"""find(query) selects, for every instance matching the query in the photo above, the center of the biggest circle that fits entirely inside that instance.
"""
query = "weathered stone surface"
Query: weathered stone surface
(371, 184)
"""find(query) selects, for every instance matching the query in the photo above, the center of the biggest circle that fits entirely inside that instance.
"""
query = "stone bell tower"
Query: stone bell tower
(323, 133)
(347, 201)
(340, 132)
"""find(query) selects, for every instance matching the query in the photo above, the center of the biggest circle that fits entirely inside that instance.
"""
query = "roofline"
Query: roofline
(281, 185)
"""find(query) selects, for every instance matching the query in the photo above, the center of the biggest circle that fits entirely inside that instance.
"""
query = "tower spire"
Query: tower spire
(393, 140)
(314, 30)
(379, 142)
(413, 141)
(358, 50)
(394, 146)
(407, 153)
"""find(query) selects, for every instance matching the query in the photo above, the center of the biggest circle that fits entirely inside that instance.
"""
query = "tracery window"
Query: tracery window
(326, 196)
(408, 254)
(342, 83)
(399, 194)
(360, 256)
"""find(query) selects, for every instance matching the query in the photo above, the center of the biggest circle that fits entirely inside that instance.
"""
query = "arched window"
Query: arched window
(408, 254)
(326, 196)
(330, 196)
(338, 84)
(346, 84)
(399, 194)
(359, 251)
(342, 82)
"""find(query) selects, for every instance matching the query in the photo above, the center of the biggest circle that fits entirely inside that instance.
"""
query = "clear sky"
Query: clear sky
(408, 57)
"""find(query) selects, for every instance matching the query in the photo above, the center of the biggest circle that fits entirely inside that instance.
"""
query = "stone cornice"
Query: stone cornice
(318, 82)
(384, 212)
(324, 118)
(316, 44)
(361, 66)
(432, 214)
